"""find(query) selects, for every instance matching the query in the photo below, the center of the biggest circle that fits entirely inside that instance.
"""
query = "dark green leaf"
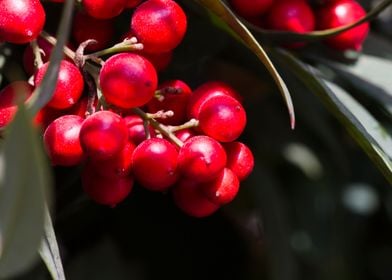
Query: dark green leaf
(23, 194)
(226, 19)
(364, 128)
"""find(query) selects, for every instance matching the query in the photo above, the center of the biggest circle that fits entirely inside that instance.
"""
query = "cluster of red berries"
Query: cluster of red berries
(299, 16)
(164, 136)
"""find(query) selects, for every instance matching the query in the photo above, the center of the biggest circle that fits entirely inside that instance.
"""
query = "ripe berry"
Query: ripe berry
(85, 27)
(185, 134)
(251, 8)
(136, 130)
(61, 139)
(107, 190)
(69, 85)
(132, 3)
(159, 24)
(338, 13)
(222, 118)
(207, 91)
(239, 159)
(9, 97)
(154, 164)
(103, 135)
(188, 197)
(21, 21)
(296, 16)
(175, 95)
(201, 158)
(104, 9)
(223, 188)
(128, 80)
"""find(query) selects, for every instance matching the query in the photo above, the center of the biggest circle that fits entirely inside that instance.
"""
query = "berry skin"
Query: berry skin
(184, 134)
(103, 135)
(132, 3)
(128, 80)
(205, 92)
(21, 21)
(85, 27)
(106, 190)
(61, 139)
(8, 100)
(296, 16)
(104, 9)
(188, 197)
(136, 130)
(340, 13)
(69, 86)
(154, 164)
(251, 8)
(223, 189)
(201, 158)
(174, 101)
(222, 118)
(239, 159)
(159, 24)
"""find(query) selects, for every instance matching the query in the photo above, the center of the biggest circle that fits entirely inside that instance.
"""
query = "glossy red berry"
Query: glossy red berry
(175, 96)
(222, 118)
(185, 134)
(107, 190)
(223, 189)
(69, 86)
(159, 24)
(154, 164)
(103, 135)
(207, 91)
(239, 159)
(251, 8)
(136, 130)
(61, 139)
(21, 21)
(19, 90)
(85, 27)
(340, 13)
(295, 15)
(128, 80)
(188, 197)
(104, 9)
(201, 158)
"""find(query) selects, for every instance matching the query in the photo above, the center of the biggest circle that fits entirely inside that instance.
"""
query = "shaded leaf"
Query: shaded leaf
(219, 12)
(23, 194)
(364, 128)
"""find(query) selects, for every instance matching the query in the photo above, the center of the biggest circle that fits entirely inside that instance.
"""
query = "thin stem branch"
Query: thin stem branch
(37, 54)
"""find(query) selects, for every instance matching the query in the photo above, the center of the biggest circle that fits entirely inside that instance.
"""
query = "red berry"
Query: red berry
(136, 130)
(222, 118)
(296, 16)
(107, 190)
(103, 135)
(28, 56)
(130, 4)
(251, 8)
(185, 134)
(223, 188)
(175, 95)
(104, 9)
(201, 158)
(205, 92)
(154, 164)
(61, 139)
(128, 80)
(69, 86)
(188, 197)
(85, 27)
(340, 13)
(239, 159)
(21, 21)
(159, 24)
(8, 99)
(46, 116)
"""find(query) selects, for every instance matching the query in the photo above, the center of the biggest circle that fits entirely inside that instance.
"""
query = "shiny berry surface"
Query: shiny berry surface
(104, 9)
(136, 130)
(239, 159)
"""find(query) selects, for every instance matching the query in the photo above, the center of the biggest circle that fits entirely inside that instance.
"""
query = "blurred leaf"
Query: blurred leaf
(23, 193)
(223, 17)
(287, 36)
(364, 128)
